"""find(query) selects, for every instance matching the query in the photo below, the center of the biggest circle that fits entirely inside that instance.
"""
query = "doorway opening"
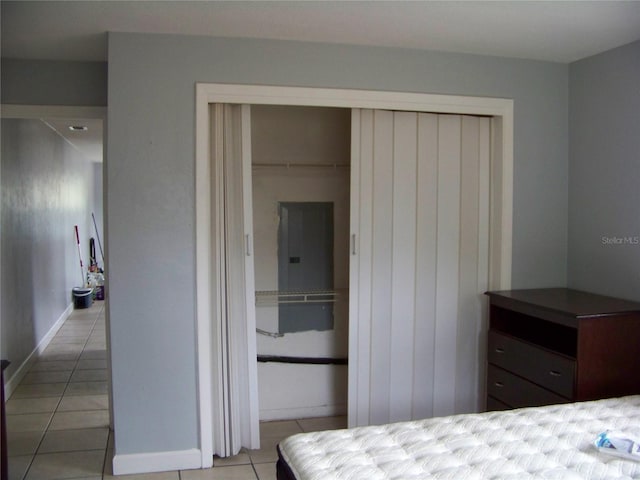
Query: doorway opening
(52, 166)
(52, 175)
(212, 343)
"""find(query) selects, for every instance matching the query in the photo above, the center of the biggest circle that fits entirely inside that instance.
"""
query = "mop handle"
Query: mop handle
(79, 254)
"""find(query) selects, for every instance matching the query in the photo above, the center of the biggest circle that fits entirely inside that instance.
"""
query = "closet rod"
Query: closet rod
(296, 165)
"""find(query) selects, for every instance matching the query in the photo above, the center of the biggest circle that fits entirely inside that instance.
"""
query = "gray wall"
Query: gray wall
(42, 82)
(604, 189)
(150, 174)
(46, 187)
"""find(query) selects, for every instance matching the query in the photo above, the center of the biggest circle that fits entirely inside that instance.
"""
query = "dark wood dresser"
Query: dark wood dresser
(557, 345)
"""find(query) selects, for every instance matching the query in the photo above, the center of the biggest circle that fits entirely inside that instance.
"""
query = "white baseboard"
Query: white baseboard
(157, 462)
(11, 384)
(302, 412)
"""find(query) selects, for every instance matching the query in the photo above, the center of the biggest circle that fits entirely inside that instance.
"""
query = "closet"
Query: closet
(418, 191)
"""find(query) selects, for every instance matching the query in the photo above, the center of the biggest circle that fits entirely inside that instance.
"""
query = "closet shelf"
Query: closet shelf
(276, 297)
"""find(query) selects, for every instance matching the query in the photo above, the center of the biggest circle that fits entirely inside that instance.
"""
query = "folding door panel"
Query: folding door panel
(419, 263)
(235, 402)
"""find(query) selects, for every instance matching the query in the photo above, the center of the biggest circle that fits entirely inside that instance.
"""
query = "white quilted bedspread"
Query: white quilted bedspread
(553, 442)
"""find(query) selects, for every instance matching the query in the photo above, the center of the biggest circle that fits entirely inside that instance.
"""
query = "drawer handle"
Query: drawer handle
(499, 384)
(499, 350)
(555, 373)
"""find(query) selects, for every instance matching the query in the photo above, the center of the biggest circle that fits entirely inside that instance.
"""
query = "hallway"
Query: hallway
(58, 417)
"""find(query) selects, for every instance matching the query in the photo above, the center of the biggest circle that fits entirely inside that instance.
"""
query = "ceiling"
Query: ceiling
(88, 142)
(557, 31)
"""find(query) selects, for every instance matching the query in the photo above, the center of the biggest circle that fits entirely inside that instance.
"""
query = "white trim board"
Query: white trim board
(51, 111)
(303, 412)
(156, 462)
(502, 189)
(23, 369)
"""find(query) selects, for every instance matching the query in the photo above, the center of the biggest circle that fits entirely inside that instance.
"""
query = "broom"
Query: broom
(98, 237)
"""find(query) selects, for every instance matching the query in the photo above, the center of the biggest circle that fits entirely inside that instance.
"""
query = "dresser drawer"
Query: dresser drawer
(517, 392)
(494, 405)
(547, 369)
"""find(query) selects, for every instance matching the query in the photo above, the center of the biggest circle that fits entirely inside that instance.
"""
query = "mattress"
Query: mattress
(552, 442)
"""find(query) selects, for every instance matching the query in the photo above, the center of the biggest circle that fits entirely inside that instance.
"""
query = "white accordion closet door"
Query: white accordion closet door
(235, 377)
(419, 264)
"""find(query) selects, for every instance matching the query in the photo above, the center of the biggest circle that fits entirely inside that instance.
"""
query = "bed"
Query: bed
(551, 442)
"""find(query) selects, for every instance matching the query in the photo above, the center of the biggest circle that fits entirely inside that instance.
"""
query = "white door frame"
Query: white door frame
(501, 208)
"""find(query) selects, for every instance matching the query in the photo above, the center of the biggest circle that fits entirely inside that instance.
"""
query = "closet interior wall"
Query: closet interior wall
(300, 154)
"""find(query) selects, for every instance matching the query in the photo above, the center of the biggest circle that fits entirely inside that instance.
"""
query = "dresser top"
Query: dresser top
(565, 301)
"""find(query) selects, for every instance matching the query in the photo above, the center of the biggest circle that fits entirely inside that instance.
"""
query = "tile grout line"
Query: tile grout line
(106, 454)
(253, 467)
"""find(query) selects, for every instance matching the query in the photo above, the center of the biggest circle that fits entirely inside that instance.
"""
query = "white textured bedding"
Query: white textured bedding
(552, 442)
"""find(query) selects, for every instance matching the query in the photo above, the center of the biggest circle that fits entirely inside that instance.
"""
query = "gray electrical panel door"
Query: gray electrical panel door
(305, 264)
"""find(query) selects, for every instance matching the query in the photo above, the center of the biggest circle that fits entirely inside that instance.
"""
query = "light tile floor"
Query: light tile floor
(58, 417)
